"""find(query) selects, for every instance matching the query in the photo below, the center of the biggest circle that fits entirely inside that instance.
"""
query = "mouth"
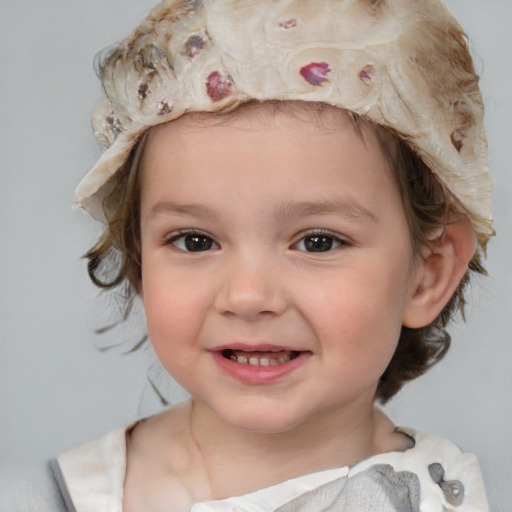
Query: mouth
(256, 364)
(260, 358)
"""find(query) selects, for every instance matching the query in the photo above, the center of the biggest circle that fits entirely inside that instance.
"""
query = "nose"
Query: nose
(251, 289)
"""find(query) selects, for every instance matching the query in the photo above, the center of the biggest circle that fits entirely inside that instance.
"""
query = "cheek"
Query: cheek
(171, 310)
(360, 309)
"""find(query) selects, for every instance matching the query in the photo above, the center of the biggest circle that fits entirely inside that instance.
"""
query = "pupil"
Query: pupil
(197, 243)
(318, 243)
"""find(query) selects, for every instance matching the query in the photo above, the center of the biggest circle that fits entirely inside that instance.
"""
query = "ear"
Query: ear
(440, 272)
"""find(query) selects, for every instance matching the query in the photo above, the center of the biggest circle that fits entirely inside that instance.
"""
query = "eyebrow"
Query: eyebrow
(350, 209)
(163, 207)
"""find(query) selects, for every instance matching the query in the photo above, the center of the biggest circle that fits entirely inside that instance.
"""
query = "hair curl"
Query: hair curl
(115, 260)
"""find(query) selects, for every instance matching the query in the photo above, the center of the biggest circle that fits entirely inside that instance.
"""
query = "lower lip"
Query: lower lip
(252, 374)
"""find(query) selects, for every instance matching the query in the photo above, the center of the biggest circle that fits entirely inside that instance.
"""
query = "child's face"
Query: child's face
(269, 236)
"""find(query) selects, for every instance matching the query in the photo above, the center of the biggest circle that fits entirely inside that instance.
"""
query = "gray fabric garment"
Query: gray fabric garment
(379, 488)
(34, 490)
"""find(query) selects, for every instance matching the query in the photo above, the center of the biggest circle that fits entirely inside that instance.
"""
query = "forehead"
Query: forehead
(316, 118)
(268, 154)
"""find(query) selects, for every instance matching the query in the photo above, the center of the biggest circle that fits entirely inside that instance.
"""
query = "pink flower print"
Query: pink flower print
(315, 73)
(163, 108)
(194, 45)
(457, 137)
(218, 86)
(367, 73)
(291, 23)
(143, 91)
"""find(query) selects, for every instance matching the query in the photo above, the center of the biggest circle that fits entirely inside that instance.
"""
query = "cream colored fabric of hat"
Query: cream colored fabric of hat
(401, 63)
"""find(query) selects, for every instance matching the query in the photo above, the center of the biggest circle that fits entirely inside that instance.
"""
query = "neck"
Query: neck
(239, 462)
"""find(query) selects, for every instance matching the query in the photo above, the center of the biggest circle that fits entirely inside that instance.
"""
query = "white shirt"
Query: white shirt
(434, 475)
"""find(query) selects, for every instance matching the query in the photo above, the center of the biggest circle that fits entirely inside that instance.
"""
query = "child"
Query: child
(298, 192)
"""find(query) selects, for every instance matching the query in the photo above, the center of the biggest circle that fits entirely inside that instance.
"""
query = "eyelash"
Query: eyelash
(183, 233)
(322, 233)
(334, 238)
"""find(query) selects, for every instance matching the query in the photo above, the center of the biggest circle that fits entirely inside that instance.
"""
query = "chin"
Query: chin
(260, 422)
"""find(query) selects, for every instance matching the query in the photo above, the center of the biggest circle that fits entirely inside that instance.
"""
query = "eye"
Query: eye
(319, 242)
(192, 241)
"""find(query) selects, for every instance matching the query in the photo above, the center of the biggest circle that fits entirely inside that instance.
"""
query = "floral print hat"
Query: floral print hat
(403, 64)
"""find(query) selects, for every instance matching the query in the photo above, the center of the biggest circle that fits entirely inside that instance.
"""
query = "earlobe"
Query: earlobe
(440, 272)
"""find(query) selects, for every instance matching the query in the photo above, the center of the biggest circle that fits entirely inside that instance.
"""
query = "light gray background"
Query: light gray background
(56, 389)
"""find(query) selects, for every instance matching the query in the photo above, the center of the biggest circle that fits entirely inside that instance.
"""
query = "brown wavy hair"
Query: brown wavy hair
(115, 260)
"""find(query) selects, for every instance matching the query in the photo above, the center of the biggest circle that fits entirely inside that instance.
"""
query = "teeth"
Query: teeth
(263, 361)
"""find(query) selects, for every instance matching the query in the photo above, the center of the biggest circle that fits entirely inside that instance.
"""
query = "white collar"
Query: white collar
(94, 475)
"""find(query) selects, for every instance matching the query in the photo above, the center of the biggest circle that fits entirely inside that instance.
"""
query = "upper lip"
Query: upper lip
(254, 347)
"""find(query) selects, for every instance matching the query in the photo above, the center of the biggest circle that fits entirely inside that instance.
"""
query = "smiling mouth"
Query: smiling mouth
(260, 358)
